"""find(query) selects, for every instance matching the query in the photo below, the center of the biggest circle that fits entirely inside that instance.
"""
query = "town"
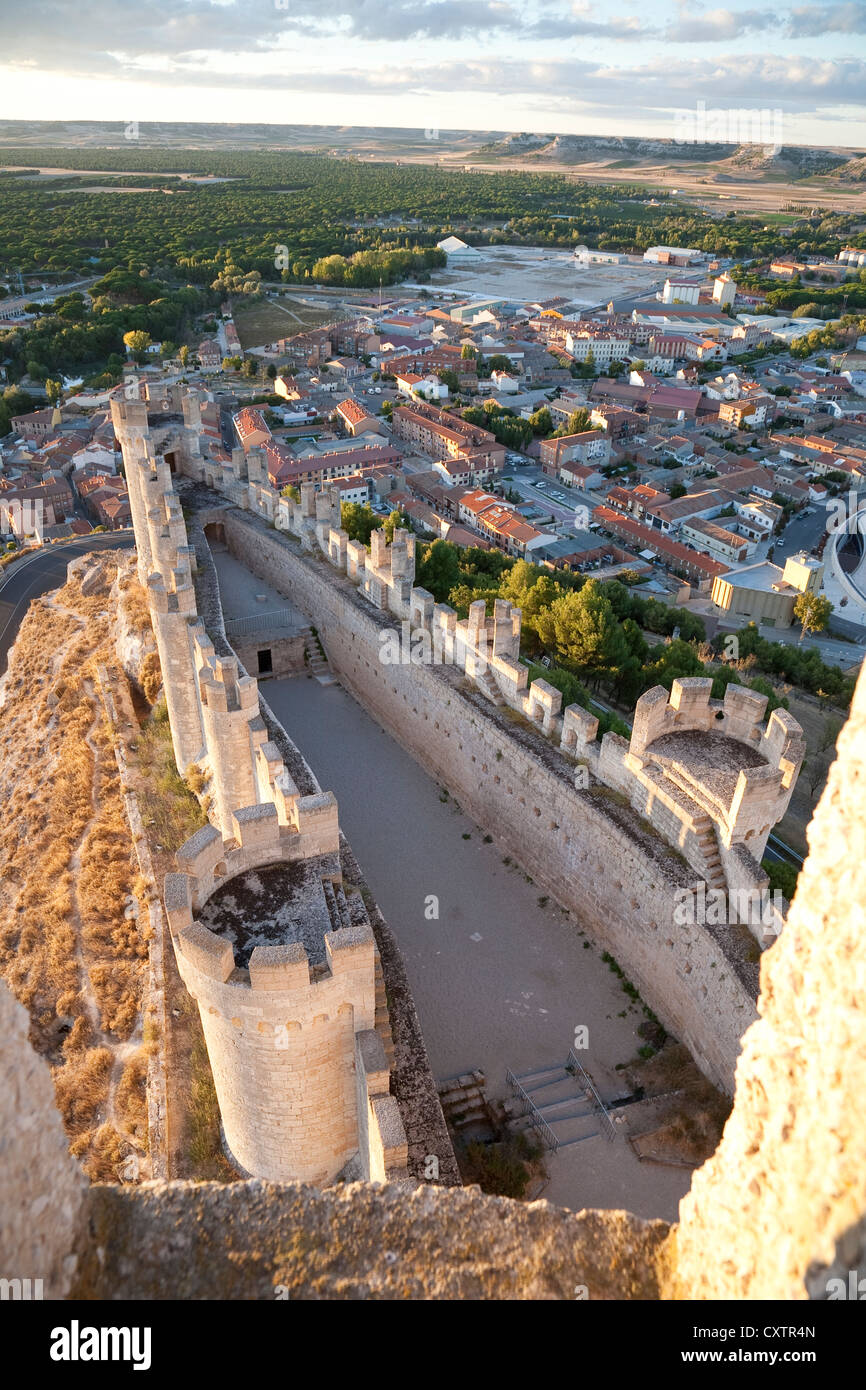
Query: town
(680, 436)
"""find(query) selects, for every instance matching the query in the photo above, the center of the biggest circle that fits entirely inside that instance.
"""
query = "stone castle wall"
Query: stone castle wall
(301, 1077)
(523, 793)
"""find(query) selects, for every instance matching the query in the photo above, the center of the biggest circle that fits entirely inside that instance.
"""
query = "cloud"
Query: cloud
(813, 21)
(719, 25)
(663, 85)
(256, 45)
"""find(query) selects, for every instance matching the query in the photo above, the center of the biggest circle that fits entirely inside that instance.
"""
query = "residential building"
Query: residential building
(699, 568)
(36, 424)
(601, 346)
(210, 355)
(717, 541)
(669, 516)
(412, 384)
(356, 420)
(284, 467)
(754, 408)
(251, 428)
(587, 447)
(447, 438)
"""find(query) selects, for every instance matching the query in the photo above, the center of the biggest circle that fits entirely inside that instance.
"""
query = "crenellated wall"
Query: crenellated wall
(585, 847)
(300, 1072)
(669, 790)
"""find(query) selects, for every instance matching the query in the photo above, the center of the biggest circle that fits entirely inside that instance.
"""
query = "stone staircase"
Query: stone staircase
(383, 1021)
(487, 685)
(465, 1105)
(315, 659)
(673, 789)
(706, 837)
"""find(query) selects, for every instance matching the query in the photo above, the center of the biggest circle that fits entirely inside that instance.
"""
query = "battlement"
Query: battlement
(689, 706)
(284, 973)
(712, 768)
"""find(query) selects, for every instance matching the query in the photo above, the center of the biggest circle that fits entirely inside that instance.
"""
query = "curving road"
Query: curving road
(41, 571)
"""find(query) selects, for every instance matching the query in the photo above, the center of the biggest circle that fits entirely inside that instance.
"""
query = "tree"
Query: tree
(813, 612)
(250, 367)
(541, 420)
(358, 521)
(582, 628)
(183, 354)
(829, 734)
(677, 490)
(439, 570)
(53, 390)
(468, 353)
(137, 341)
(394, 520)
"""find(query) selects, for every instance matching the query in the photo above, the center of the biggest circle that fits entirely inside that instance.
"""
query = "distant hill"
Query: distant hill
(385, 142)
(796, 161)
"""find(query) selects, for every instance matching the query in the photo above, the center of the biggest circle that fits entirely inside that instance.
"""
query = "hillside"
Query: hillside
(73, 940)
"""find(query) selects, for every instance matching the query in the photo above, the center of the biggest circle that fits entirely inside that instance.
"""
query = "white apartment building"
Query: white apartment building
(605, 348)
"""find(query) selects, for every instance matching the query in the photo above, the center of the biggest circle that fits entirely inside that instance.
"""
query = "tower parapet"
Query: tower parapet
(710, 773)
(285, 978)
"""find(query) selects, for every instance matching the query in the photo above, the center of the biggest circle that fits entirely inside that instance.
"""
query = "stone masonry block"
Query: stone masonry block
(279, 967)
(206, 952)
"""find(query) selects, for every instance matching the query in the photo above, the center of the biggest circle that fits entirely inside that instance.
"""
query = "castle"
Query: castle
(300, 1070)
(778, 1212)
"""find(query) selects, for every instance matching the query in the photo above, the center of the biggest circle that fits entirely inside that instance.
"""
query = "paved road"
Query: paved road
(37, 574)
(834, 652)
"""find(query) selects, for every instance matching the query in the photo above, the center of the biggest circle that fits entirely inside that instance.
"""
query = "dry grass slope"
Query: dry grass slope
(70, 945)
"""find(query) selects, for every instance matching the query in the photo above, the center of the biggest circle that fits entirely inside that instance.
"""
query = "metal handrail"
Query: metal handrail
(595, 1100)
(277, 617)
(536, 1119)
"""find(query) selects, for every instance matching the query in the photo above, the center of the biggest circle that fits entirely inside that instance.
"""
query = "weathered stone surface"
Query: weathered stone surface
(779, 1209)
(187, 1240)
(42, 1189)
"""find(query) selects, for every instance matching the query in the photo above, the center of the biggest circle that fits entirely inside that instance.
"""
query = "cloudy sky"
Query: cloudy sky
(627, 67)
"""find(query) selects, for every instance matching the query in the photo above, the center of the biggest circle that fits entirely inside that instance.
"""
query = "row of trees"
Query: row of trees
(594, 630)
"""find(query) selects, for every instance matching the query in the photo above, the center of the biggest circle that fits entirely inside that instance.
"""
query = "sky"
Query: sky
(631, 67)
